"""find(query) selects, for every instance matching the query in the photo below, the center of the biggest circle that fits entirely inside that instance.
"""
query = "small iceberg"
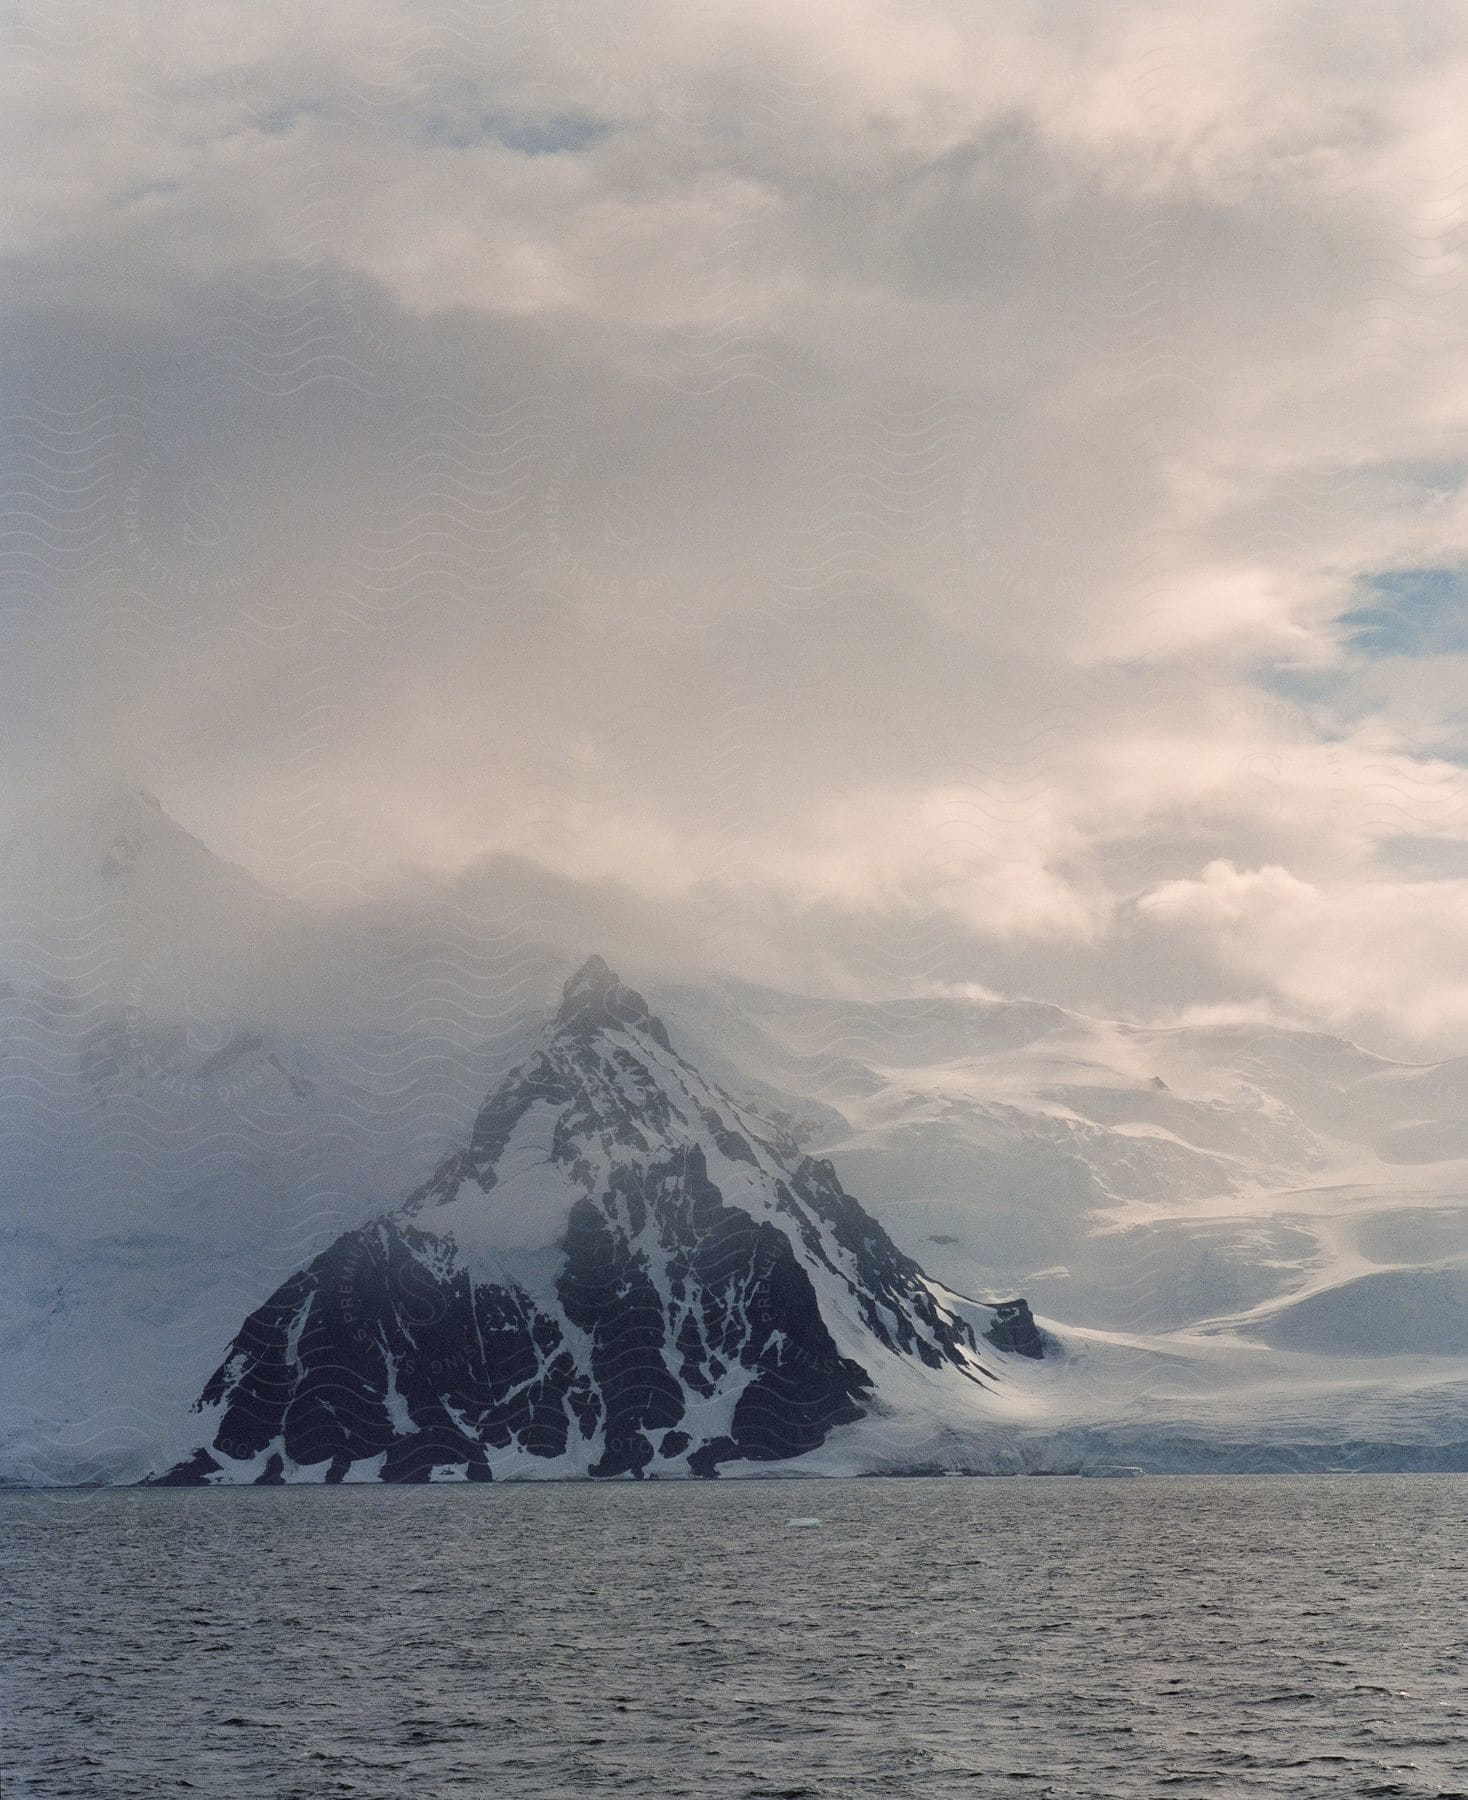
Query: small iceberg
(801, 1524)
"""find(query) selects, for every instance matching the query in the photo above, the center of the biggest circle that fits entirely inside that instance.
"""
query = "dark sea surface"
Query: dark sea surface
(1213, 1636)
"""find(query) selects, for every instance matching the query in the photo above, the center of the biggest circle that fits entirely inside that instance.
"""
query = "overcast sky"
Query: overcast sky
(885, 495)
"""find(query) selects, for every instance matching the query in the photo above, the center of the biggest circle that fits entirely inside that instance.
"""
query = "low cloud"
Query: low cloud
(873, 499)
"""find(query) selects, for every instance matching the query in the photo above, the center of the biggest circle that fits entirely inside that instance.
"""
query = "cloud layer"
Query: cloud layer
(908, 494)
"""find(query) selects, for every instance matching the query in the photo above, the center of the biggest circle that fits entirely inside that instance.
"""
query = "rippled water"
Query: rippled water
(1218, 1636)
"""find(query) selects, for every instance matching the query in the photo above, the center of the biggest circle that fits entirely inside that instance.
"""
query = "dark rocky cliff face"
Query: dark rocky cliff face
(1014, 1329)
(622, 1273)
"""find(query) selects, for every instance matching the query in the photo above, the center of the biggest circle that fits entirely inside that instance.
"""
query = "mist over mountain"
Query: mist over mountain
(1245, 1238)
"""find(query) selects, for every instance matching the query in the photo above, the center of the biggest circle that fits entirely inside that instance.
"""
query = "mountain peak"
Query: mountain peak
(618, 1275)
(595, 999)
(106, 834)
(593, 977)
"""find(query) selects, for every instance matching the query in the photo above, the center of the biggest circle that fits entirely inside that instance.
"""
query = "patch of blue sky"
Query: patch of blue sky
(150, 190)
(1412, 612)
(276, 121)
(1303, 687)
(555, 134)
(1336, 701)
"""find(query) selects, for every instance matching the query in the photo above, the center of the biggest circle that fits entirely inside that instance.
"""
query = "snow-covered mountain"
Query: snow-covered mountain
(115, 900)
(623, 1272)
(172, 1142)
(1257, 1238)
(1131, 1178)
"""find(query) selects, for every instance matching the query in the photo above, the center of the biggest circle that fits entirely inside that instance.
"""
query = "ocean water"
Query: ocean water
(1217, 1636)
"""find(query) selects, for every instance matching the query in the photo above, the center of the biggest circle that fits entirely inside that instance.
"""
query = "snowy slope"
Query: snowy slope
(1125, 1178)
(1249, 1269)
